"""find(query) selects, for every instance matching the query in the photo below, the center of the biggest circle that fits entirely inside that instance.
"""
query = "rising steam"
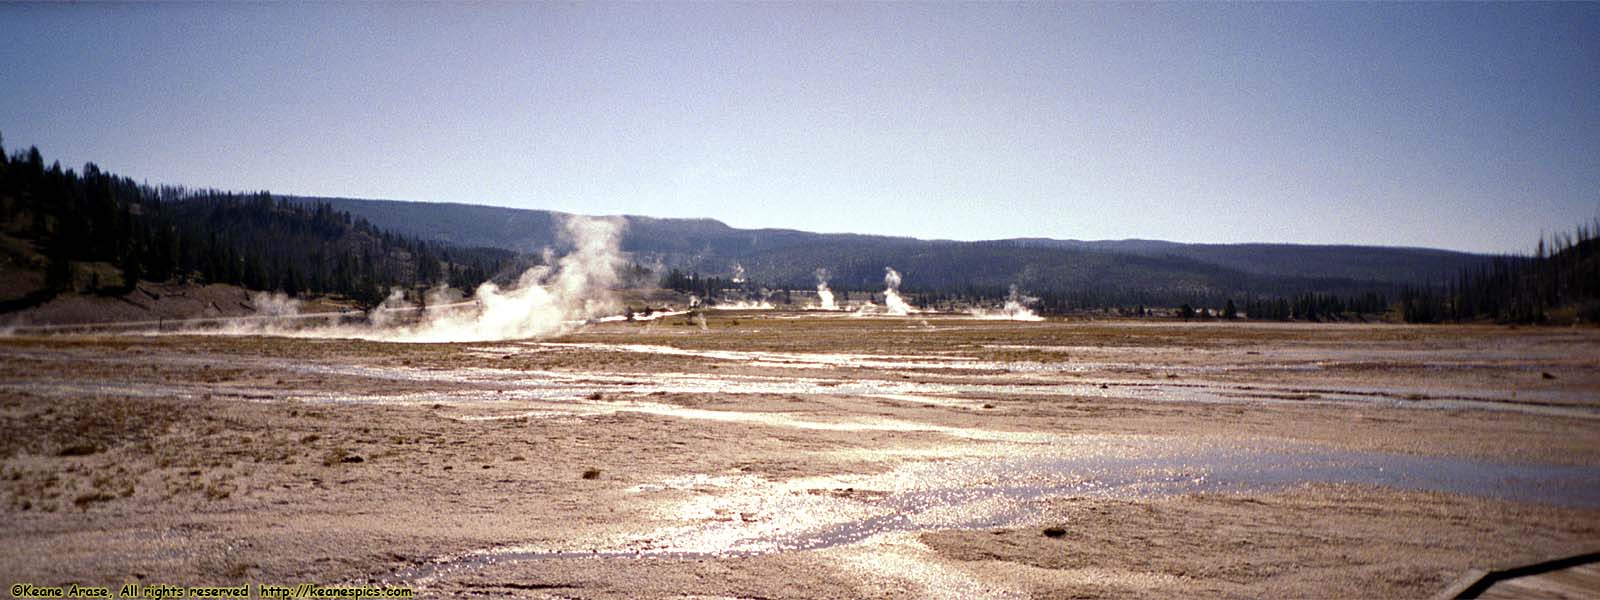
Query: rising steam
(1015, 309)
(744, 305)
(274, 304)
(545, 300)
(824, 295)
(893, 303)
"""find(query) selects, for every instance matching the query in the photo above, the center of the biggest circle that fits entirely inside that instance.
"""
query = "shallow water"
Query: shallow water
(975, 477)
(742, 515)
(888, 381)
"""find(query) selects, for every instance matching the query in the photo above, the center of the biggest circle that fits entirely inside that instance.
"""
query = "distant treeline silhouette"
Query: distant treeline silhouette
(1560, 282)
(207, 236)
(73, 221)
(693, 283)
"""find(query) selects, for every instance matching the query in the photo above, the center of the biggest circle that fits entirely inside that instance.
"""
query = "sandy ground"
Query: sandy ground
(791, 455)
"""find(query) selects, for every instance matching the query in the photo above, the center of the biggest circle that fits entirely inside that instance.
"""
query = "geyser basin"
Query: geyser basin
(815, 448)
(730, 516)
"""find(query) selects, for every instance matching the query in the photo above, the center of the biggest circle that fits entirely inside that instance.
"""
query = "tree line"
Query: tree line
(171, 233)
(693, 283)
(1559, 282)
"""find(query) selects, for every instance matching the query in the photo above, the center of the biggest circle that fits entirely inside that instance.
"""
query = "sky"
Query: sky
(1462, 126)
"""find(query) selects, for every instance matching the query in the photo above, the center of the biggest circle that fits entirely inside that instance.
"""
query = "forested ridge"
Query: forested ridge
(61, 224)
(92, 231)
(1065, 275)
(1560, 282)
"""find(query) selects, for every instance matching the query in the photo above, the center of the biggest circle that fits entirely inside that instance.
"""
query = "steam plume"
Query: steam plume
(386, 313)
(893, 303)
(274, 304)
(744, 305)
(824, 294)
(545, 300)
(1015, 309)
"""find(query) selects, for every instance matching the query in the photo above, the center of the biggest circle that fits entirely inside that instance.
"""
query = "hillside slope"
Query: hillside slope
(96, 233)
(1124, 270)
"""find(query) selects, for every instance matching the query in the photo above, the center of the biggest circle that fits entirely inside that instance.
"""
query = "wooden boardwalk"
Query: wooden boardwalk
(1571, 577)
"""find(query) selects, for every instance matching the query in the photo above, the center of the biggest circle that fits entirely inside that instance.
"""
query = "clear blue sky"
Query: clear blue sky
(1463, 126)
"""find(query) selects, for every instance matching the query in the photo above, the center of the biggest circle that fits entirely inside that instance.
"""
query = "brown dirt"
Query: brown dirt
(212, 459)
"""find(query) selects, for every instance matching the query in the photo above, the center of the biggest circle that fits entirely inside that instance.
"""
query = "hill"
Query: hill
(1560, 283)
(96, 233)
(1092, 272)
